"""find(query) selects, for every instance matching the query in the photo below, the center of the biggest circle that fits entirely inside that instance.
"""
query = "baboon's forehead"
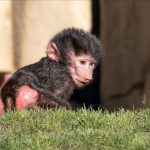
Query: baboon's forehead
(73, 56)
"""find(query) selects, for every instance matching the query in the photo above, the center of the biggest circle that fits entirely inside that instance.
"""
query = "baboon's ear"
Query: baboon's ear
(53, 52)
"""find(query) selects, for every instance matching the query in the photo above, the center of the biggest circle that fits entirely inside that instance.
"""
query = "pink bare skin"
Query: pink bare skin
(26, 97)
(81, 69)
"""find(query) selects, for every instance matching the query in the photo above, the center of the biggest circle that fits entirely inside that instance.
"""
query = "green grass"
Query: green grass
(69, 130)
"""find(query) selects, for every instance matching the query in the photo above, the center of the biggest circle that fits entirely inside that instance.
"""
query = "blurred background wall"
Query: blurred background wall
(125, 33)
(122, 26)
(29, 25)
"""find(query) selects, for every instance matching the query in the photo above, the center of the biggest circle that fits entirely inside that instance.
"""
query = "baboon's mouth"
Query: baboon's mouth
(80, 83)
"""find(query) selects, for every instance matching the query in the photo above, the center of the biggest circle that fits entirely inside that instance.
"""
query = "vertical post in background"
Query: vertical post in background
(96, 31)
(96, 17)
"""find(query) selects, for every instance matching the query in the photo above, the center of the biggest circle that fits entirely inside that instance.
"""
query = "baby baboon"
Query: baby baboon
(71, 58)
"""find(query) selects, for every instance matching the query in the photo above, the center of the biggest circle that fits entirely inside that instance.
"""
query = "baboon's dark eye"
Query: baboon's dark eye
(82, 62)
